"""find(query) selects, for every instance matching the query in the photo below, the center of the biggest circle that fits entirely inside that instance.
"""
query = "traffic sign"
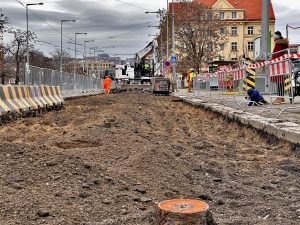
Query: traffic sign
(167, 63)
(173, 58)
(166, 70)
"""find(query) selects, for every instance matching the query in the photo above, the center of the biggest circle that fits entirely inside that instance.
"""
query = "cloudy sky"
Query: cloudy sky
(119, 27)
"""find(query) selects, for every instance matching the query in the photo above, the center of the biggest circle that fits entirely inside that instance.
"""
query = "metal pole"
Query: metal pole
(75, 56)
(167, 29)
(161, 42)
(162, 56)
(265, 28)
(173, 42)
(27, 34)
(60, 67)
(27, 53)
(61, 40)
(84, 52)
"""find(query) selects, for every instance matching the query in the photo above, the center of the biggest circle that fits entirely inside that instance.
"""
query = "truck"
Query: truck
(124, 73)
(140, 73)
(160, 85)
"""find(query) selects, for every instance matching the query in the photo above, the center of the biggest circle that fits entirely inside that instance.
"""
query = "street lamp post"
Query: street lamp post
(84, 46)
(27, 34)
(167, 29)
(160, 12)
(173, 42)
(97, 50)
(76, 51)
(84, 56)
(94, 49)
(61, 42)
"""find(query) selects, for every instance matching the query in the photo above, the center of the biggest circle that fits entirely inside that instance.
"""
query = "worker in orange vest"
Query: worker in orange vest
(106, 85)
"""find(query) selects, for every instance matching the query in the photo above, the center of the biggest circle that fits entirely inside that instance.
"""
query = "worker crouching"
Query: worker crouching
(255, 98)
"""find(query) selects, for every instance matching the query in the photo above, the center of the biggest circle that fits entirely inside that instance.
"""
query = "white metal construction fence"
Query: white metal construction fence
(70, 84)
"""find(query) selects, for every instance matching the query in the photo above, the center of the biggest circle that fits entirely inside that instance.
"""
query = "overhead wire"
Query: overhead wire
(133, 5)
(45, 42)
(53, 28)
(110, 36)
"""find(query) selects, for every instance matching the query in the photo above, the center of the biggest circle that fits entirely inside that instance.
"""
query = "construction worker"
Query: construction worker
(187, 80)
(280, 45)
(255, 98)
(146, 67)
(191, 77)
(106, 85)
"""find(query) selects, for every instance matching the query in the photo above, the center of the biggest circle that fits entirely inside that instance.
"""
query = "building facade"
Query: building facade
(243, 20)
(90, 67)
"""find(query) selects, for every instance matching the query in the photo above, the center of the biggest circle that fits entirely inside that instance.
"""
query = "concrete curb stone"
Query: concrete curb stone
(281, 129)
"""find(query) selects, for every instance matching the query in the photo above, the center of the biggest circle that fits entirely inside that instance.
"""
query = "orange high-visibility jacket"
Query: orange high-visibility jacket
(107, 81)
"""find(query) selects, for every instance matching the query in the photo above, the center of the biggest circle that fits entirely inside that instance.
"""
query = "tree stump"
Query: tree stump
(184, 212)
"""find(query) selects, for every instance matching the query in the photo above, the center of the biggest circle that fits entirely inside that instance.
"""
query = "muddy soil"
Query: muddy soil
(110, 160)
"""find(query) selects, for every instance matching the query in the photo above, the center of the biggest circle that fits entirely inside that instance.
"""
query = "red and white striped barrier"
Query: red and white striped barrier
(281, 58)
(278, 68)
(239, 74)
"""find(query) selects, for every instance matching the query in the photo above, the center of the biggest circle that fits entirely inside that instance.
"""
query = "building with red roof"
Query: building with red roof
(244, 25)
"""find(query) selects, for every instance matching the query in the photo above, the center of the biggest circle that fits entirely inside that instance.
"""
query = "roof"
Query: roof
(252, 8)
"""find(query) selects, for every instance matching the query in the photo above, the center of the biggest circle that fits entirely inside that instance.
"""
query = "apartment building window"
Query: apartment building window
(250, 30)
(209, 16)
(234, 15)
(250, 46)
(222, 30)
(233, 46)
(222, 15)
(234, 31)
(222, 47)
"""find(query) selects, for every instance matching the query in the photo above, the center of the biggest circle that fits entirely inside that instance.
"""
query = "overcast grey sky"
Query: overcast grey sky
(119, 23)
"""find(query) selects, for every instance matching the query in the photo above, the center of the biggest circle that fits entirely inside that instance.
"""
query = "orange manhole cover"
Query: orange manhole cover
(183, 206)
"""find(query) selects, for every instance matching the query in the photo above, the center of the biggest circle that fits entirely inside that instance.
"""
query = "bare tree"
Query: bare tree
(199, 35)
(18, 47)
(37, 58)
(66, 57)
(3, 22)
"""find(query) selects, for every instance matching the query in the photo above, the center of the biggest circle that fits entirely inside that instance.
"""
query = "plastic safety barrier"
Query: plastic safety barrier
(13, 99)
(20, 99)
(34, 95)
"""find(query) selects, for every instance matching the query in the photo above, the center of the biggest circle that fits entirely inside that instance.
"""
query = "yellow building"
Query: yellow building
(244, 25)
(96, 67)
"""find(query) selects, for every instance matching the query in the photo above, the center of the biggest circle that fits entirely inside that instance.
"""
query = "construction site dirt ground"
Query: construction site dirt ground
(108, 160)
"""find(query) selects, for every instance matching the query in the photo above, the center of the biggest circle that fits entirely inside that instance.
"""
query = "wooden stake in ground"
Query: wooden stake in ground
(185, 212)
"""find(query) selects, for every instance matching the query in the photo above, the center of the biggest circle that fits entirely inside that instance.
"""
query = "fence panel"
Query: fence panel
(68, 83)
(280, 72)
